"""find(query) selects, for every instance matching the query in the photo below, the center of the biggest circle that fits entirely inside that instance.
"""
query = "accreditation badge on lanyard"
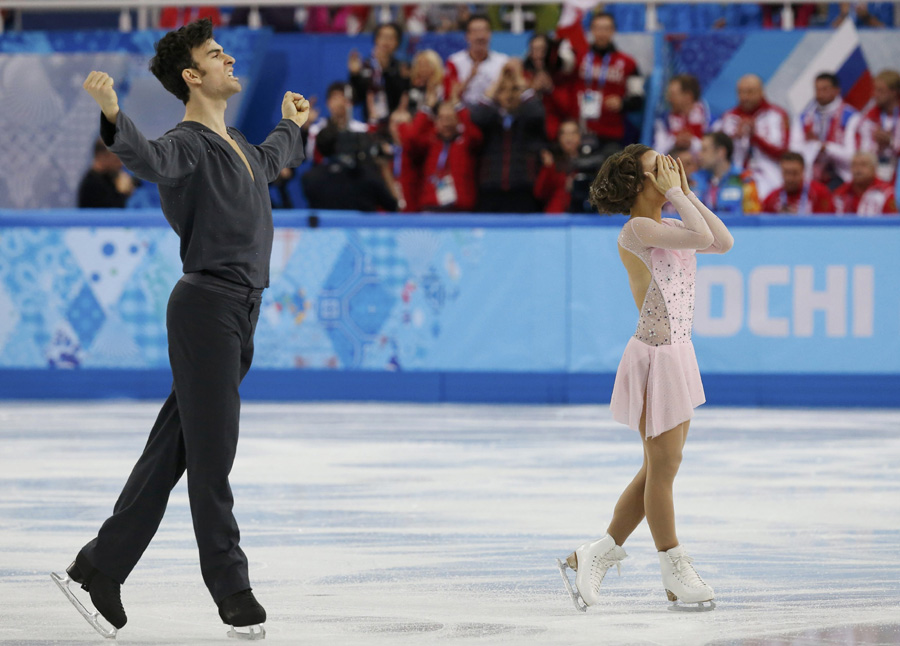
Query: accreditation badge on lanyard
(887, 162)
(592, 98)
(444, 187)
(380, 104)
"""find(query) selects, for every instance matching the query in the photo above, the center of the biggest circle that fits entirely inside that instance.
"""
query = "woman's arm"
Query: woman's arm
(723, 241)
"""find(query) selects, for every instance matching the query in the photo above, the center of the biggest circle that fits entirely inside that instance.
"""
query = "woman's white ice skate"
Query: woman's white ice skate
(590, 563)
(684, 587)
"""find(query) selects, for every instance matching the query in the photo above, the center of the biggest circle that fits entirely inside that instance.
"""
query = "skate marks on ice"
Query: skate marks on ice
(402, 524)
(862, 635)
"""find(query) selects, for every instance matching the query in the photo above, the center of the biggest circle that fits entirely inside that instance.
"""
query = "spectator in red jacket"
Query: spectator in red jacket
(607, 83)
(563, 184)
(445, 140)
(554, 183)
(797, 196)
(879, 131)
(865, 194)
(685, 123)
(760, 131)
(399, 162)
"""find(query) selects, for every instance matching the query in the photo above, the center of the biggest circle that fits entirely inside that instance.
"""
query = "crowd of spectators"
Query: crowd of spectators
(486, 132)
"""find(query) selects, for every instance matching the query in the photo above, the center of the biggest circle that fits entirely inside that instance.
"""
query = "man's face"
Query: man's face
(750, 94)
(446, 122)
(689, 161)
(792, 173)
(602, 31)
(216, 70)
(709, 154)
(569, 138)
(339, 105)
(478, 35)
(862, 169)
(386, 42)
(677, 98)
(826, 92)
(509, 96)
(883, 95)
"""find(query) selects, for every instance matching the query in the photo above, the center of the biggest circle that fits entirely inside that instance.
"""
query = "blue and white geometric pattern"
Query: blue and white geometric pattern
(96, 297)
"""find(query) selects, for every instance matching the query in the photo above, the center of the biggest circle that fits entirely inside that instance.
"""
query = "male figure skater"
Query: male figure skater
(213, 186)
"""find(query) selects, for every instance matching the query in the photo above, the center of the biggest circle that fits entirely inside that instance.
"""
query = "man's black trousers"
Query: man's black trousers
(210, 327)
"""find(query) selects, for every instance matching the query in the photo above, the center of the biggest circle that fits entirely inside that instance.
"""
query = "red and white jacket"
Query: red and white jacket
(812, 198)
(459, 69)
(873, 119)
(834, 126)
(877, 199)
(610, 73)
(761, 151)
(457, 158)
(669, 125)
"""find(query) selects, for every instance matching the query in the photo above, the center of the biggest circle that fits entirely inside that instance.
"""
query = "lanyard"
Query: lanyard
(802, 205)
(712, 192)
(442, 159)
(398, 160)
(894, 119)
(823, 123)
(604, 69)
(376, 71)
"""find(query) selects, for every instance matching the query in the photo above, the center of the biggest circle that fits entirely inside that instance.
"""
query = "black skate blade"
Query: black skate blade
(93, 618)
(699, 606)
(577, 601)
(249, 633)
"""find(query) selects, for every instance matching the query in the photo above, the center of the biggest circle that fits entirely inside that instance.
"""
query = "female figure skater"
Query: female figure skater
(658, 383)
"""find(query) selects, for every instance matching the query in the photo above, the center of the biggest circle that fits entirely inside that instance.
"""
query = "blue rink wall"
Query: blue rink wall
(463, 308)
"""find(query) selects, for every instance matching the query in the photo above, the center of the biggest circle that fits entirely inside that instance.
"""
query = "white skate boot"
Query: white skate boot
(590, 562)
(683, 584)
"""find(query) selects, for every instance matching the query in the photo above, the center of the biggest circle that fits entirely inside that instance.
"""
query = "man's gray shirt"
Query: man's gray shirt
(222, 215)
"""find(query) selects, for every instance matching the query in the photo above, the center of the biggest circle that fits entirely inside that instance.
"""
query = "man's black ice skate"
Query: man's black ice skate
(242, 610)
(105, 595)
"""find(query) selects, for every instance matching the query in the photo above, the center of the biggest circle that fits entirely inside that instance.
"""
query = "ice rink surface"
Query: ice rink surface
(439, 524)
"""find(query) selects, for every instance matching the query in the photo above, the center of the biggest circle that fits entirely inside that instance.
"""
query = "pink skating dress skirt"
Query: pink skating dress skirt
(669, 377)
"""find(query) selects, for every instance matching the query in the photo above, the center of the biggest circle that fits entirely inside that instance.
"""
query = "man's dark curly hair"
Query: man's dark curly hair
(173, 56)
(619, 181)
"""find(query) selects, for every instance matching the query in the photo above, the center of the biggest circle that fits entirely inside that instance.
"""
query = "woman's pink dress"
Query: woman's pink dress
(659, 360)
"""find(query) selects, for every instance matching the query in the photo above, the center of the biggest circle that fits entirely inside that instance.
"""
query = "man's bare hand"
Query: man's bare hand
(100, 86)
(295, 108)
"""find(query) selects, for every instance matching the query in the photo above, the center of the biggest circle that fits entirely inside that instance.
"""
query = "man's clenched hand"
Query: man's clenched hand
(100, 86)
(295, 108)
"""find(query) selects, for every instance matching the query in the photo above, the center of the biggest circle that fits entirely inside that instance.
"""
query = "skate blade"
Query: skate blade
(93, 618)
(699, 606)
(578, 602)
(250, 633)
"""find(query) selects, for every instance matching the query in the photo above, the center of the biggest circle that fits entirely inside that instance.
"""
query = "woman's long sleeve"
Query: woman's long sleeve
(695, 233)
(722, 238)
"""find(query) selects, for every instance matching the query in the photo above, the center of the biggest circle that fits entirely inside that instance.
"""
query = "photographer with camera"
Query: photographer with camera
(349, 178)
(568, 169)
(339, 101)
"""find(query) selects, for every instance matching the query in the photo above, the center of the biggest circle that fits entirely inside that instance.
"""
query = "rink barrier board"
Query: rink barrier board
(582, 341)
(819, 391)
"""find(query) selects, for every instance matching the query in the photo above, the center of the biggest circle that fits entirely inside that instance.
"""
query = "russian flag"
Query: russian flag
(842, 56)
